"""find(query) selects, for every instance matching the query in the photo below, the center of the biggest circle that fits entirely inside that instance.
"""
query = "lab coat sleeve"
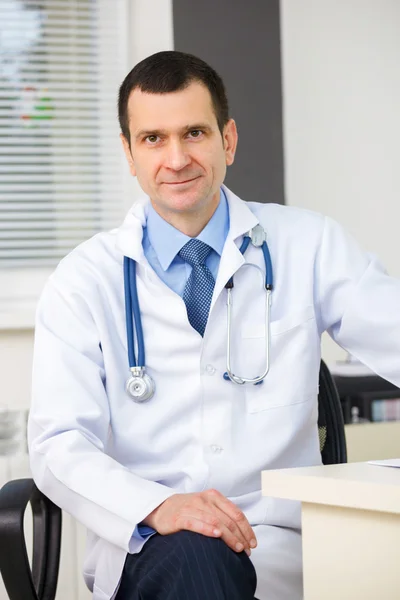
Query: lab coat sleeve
(141, 533)
(359, 303)
(69, 424)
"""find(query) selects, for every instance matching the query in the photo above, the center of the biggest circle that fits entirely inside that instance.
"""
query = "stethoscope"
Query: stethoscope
(140, 386)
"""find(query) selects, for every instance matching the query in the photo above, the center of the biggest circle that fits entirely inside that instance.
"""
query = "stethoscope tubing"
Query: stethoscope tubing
(133, 317)
(268, 287)
(268, 269)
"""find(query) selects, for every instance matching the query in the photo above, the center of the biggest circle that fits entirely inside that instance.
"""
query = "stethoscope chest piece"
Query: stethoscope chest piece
(140, 387)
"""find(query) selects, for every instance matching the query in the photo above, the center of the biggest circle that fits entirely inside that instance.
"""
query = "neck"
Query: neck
(191, 223)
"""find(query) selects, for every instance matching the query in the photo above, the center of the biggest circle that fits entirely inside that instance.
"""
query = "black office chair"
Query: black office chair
(40, 582)
(332, 439)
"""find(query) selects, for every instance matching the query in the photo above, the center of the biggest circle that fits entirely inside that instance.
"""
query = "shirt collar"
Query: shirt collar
(167, 241)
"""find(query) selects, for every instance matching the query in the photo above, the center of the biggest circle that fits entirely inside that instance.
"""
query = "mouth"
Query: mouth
(177, 183)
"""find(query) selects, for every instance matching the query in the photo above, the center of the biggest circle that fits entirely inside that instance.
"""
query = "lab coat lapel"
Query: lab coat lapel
(130, 234)
(241, 220)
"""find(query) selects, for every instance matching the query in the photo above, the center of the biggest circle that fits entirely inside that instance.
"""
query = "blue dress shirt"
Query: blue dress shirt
(161, 244)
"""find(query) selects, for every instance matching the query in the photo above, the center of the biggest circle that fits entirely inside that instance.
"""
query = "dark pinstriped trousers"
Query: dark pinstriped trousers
(187, 566)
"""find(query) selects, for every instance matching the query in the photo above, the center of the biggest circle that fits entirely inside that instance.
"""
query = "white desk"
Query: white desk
(351, 528)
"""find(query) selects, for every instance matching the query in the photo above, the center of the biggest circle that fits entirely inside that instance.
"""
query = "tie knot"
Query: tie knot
(195, 252)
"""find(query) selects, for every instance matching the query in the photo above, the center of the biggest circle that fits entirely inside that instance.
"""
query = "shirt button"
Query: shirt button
(216, 449)
(210, 369)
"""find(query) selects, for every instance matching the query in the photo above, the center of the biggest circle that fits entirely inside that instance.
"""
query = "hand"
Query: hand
(208, 513)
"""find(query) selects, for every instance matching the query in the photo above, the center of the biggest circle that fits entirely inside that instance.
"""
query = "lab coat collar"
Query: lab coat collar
(130, 234)
(241, 219)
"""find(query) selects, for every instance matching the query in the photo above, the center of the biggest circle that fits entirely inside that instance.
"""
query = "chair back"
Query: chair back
(332, 439)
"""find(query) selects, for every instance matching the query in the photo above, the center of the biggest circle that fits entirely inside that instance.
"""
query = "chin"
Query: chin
(184, 200)
(183, 204)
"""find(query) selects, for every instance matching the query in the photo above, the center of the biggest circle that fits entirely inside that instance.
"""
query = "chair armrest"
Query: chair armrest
(19, 580)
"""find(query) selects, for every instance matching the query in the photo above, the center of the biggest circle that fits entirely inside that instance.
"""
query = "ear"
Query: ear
(230, 139)
(128, 154)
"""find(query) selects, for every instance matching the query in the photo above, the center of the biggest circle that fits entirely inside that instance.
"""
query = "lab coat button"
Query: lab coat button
(210, 369)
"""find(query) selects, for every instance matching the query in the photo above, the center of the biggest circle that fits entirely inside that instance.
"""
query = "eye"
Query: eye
(196, 133)
(152, 139)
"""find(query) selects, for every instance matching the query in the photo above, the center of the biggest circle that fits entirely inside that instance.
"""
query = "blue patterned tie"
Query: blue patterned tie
(200, 285)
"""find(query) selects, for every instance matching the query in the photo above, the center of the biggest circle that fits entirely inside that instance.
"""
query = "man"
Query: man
(169, 489)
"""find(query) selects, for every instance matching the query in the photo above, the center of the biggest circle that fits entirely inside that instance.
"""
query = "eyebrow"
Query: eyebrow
(145, 132)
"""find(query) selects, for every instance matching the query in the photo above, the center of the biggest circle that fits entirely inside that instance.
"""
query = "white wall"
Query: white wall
(341, 83)
(16, 365)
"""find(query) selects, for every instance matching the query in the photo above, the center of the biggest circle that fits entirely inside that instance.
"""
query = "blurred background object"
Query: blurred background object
(12, 431)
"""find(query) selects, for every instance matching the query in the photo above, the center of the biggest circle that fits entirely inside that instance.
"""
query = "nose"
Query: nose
(176, 157)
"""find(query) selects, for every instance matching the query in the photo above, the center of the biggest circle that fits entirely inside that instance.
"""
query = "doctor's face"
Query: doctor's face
(177, 151)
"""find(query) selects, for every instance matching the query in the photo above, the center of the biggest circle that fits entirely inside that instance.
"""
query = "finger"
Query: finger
(236, 515)
(200, 522)
(233, 528)
(213, 524)
(232, 541)
(231, 533)
(214, 520)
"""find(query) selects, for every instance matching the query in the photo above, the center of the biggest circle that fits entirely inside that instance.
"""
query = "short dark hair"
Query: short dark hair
(171, 71)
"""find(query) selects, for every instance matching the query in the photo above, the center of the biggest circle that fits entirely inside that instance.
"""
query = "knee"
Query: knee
(196, 549)
(191, 545)
(189, 540)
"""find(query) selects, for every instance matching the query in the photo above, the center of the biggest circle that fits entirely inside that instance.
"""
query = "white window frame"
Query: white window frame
(20, 288)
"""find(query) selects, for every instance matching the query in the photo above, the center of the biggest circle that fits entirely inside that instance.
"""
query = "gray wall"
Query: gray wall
(241, 40)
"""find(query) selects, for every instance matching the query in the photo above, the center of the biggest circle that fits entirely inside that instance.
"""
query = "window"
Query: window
(61, 166)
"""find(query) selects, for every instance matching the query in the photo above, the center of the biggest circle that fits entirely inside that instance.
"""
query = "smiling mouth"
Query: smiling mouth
(180, 182)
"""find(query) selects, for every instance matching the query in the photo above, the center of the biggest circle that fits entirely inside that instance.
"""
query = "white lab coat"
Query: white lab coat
(109, 461)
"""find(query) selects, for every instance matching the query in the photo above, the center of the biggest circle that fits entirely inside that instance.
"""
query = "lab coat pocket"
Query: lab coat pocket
(294, 362)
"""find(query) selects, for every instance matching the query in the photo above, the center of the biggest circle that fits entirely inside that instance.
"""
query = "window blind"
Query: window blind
(61, 166)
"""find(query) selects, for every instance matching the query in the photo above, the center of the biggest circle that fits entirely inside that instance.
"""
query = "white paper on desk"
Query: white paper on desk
(391, 462)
